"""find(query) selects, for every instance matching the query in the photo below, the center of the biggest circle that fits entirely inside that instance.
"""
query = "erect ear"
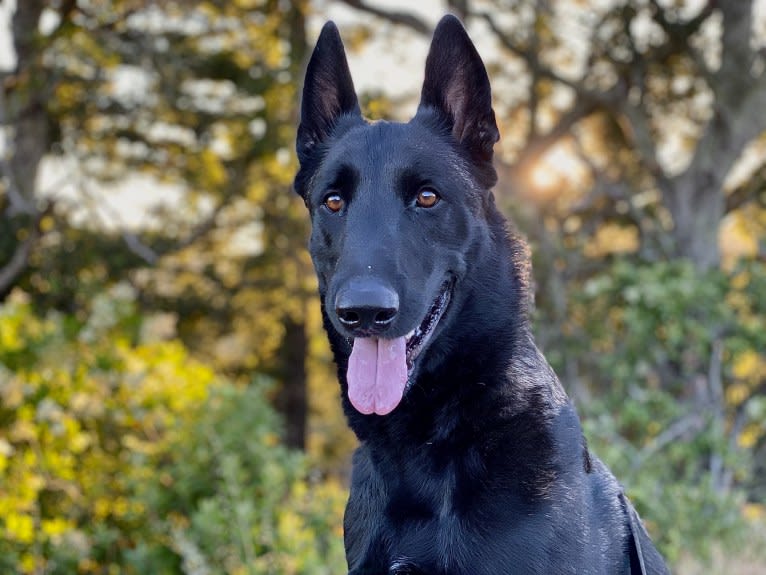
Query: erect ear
(457, 86)
(328, 91)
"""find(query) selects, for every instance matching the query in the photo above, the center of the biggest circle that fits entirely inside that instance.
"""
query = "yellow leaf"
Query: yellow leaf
(754, 511)
(55, 527)
(749, 366)
(612, 239)
(213, 172)
(28, 563)
(749, 437)
(47, 224)
(736, 393)
(20, 527)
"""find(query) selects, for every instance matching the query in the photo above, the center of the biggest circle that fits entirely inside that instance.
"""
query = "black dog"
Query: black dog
(472, 460)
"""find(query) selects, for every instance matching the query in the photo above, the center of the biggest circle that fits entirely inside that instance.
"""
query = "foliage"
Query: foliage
(642, 332)
(124, 454)
(236, 501)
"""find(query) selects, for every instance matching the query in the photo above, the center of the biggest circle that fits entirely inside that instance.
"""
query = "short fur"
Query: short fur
(482, 469)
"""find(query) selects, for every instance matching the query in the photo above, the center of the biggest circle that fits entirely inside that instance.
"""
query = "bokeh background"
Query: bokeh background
(168, 403)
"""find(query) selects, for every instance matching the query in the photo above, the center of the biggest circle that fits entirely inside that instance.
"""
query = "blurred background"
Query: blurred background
(168, 403)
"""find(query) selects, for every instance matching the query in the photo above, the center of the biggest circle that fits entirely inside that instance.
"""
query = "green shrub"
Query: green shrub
(673, 359)
(233, 500)
(122, 456)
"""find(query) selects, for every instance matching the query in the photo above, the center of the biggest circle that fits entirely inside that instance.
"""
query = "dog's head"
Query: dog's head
(398, 210)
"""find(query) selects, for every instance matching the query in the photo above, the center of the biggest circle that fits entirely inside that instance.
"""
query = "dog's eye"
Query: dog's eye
(333, 202)
(427, 198)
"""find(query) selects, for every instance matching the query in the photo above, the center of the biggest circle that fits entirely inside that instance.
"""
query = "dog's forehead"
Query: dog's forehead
(379, 144)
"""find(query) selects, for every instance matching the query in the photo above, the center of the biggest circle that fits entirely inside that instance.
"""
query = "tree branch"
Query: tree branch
(681, 29)
(541, 143)
(606, 188)
(394, 16)
(132, 241)
(680, 33)
(751, 190)
(529, 55)
(10, 272)
(19, 261)
(686, 426)
(17, 203)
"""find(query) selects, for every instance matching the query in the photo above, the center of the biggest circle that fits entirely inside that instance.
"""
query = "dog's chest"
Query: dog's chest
(445, 496)
(431, 535)
(428, 514)
(424, 518)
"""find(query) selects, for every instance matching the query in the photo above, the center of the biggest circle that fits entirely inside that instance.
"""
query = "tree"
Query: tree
(192, 96)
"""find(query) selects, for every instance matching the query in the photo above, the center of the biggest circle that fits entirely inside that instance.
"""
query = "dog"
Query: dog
(472, 460)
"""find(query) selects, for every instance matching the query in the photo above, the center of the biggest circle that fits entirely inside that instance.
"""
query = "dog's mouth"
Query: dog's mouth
(380, 370)
(418, 338)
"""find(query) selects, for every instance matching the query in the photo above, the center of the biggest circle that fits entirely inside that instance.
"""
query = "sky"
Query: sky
(6, 46)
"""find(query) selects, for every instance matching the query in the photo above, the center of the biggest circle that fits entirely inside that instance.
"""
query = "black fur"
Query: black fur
(482, 468)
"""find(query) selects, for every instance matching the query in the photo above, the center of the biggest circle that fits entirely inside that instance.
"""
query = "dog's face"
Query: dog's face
(394, 208)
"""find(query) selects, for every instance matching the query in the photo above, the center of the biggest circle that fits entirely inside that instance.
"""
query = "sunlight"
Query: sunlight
(543, 176)
(556, 169)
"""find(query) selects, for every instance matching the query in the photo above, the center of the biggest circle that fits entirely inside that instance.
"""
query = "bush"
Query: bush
(233, 500)
(673, 359)
(127, 456)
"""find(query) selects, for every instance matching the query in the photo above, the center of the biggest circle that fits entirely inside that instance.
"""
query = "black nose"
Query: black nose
(366, 307)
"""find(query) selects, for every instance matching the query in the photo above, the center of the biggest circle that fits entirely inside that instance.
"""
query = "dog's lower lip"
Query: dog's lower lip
(418, 338)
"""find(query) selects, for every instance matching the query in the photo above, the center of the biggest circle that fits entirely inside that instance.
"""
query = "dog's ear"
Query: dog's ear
(328, 91)
(457, 86)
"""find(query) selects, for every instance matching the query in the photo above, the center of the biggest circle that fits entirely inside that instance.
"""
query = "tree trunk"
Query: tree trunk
(697, 207)
(292, 399)
(24, 112)
(696, 198)
(28, 116)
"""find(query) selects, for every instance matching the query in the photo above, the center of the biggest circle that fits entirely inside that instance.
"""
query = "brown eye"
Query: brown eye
(427, 198)
(333, 202)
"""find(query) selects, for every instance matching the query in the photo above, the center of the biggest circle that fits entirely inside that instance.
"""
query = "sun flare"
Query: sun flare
(557, 168)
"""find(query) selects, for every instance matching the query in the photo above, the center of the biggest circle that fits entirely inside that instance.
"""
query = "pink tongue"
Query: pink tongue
(377, 374)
